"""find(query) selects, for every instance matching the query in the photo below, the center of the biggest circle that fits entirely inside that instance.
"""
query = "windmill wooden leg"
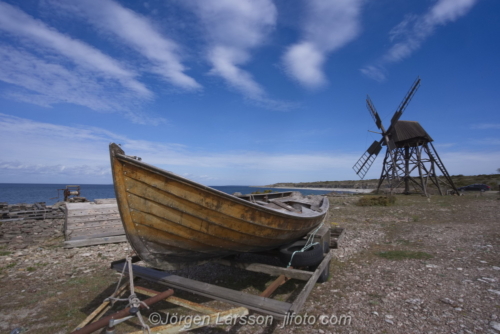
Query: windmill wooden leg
(419, 162)
(407, 170)
(383, 174)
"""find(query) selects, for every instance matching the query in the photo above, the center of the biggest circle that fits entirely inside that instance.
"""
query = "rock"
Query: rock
(448, 301)
(495, 325)
(414, 301)
(431, 266)
(496, 268)
(489, 279)
(494, 291)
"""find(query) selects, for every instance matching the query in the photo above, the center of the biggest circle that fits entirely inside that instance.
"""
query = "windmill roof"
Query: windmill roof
(404, 131)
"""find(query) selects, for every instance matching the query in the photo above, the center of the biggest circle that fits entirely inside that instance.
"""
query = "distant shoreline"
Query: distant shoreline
(362, 191)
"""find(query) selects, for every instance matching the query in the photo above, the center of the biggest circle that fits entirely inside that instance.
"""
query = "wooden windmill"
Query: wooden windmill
(409, 151)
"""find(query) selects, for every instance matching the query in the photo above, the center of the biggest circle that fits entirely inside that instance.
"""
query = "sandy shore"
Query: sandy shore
(362, 191)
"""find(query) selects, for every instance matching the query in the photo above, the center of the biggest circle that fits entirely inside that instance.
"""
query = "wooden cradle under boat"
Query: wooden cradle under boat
(172, 222)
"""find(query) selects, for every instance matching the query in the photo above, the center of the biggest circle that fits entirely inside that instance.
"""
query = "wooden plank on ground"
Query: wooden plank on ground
(95, 235)
(94, 210)
(94, 231)
(94, 241)
(105, 201)
(91, 224)
(301, 298)
(95, 218)
(267, 269)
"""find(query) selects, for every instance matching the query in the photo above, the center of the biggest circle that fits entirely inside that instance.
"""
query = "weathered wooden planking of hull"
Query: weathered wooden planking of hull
(172, 222)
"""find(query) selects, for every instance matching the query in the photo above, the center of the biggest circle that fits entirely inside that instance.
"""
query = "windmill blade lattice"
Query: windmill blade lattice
(373, 112)
(367, 159)
(405, 102)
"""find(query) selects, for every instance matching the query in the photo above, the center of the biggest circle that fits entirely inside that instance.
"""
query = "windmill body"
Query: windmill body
(410, 157)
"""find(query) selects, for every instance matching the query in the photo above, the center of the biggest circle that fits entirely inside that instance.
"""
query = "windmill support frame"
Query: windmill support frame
(422, 157)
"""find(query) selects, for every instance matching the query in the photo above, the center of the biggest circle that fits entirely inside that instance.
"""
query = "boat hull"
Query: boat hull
(172, 222)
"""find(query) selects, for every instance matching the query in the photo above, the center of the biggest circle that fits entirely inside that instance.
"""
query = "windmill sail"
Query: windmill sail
(405, 102)
(373, 112)
(365, 162)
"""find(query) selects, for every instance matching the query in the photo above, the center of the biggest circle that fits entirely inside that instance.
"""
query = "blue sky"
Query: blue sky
(245, 92)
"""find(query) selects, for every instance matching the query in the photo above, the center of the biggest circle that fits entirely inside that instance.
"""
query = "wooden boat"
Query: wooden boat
(172, 222)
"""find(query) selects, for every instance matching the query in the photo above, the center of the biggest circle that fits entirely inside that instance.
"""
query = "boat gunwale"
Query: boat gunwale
(165, 173)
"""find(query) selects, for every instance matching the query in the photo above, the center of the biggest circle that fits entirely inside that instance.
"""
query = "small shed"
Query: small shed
(93, 223)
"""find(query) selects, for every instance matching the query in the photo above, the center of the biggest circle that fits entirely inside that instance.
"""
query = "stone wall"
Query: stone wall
(19, 234)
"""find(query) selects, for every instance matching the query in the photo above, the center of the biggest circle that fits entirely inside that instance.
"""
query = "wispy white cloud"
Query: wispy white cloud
(198, 177)
(226, 61)
(33, 147)
(137, 32)
(445, 145)
(487, 141)
(328, 25)
(409, 35)
(16, 168)
(376, 72)
(21, 25)
(45, 84)
(468, 162)
(53, 83)
(46, 67)
(233, 29)
(484, 126)
(48, 152)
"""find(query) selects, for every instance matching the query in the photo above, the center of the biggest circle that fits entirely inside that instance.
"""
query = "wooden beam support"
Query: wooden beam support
(267, 269)
(276, 308)
(301, 298)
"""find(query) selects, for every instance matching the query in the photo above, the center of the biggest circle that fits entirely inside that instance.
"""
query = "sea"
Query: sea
(14, 193)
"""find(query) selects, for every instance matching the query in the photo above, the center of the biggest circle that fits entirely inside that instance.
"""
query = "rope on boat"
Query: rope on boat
(309, 242)
(133, 300)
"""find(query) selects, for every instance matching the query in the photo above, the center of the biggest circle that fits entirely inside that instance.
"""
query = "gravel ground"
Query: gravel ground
(445, 277)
